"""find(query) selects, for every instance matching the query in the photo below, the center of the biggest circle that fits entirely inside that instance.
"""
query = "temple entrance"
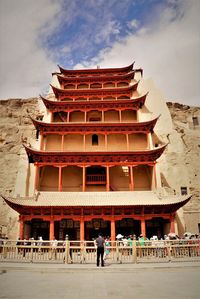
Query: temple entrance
(128, 226)
(67, 227)
(36, 228)
(157, 227)
(96, 226)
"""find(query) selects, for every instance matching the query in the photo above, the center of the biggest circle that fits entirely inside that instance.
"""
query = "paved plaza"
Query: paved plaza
(158, 280)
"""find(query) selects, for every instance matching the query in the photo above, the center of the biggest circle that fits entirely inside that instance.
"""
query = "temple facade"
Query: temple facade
(94, 166)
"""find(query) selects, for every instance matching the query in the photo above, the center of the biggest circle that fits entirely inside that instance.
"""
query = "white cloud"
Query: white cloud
(106, 31)
(167, 49)
(25, 68)
(133, 24)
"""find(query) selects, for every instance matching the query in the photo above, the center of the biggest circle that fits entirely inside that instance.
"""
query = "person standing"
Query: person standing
(100, 249)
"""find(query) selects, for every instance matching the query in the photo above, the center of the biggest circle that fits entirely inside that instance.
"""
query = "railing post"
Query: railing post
(169, 251)
(4, 251)
(134, 252)
(117, 250)
(66, 252)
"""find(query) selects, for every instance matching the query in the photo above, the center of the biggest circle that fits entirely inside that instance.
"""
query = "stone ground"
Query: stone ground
(118, 281)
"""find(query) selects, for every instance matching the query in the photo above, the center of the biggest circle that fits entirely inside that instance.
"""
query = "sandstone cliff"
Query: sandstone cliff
(16, 127)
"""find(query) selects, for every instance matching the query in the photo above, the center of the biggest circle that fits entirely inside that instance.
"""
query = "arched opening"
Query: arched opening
(95, 139)
(96, 85)
(111, 116)
(129, 116)
(82, 86)
(59, 116)
(69, 86)
(94, 115)
(122, 84)
(76, 116)
(123, 98)
(109, 85)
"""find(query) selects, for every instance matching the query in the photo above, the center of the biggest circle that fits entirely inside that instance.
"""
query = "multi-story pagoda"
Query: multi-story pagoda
(94, 166)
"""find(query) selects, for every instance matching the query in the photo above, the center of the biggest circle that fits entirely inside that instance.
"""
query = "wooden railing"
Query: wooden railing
(85, 251)
(99, 179)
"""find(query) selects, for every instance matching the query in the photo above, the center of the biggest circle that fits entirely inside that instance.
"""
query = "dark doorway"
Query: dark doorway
(128, 226)
(156, 227)
(39, 228)
(96, 226)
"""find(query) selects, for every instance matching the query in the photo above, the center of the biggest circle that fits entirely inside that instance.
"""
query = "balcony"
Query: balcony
(95, 179)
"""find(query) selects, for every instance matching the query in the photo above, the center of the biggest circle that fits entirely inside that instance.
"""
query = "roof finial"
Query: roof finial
(98, 67)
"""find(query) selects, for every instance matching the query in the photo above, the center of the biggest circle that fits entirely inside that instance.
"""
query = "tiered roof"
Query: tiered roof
(134, 103)
(138, 202)
(62, 94)
(96, 158)
(89, 127)
(97, 71)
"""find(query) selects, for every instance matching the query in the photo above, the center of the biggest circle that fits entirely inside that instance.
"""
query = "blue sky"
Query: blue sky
(162, 37)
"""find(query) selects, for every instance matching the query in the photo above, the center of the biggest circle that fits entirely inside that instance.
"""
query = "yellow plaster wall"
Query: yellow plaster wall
(72, 178)
(53, 142)
(129, 116)
(48, 180)
(137, 141)
(76, 116)
(117, 142)
(111, 116)
(142, 176)
(119, 181)
(73, 142)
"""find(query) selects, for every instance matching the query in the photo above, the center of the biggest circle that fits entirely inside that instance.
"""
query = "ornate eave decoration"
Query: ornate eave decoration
(89, 127)
(62, 94)
(56, 106)
(95, 158)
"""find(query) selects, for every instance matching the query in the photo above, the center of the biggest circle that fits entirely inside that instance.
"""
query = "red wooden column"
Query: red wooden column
(82, 229)
(106, 142)
(41, 142)
(60, 179)
(107, 179)
(113, 231)
(143, 227)
(51, 230)
(172, 225)
(85, 117)
(84, 178)
(62, 142)
(131, 187)
(68, 116)
(154, 180)
(84, 136)
(102, 119)
(37, 170)
(127, 142)
(120, 116)
(21, 227)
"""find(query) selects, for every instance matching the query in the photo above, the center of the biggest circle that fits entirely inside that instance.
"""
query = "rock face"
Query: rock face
(180, 165)
(15, 128)
(183, 154)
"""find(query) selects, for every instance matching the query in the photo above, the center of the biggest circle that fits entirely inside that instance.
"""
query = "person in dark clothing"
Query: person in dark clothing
(100, 249)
